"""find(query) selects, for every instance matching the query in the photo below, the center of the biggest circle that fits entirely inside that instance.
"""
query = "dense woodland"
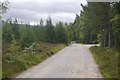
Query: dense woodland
(26, 34)
(98, 23)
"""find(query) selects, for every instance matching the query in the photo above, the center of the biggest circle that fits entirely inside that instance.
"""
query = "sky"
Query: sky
(33, 10)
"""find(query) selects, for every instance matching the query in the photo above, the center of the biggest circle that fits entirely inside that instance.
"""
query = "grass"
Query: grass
(14, 63)
(107, 59)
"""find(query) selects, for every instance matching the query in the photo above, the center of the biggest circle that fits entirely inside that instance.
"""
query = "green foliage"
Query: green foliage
(7, 31)
(15, 30)
(17, 60)
(75, 29)
(107, 59)
(99, 23)
(61, 33)
(14, 47)
(93, 16)
(49, 31)
(26, 35)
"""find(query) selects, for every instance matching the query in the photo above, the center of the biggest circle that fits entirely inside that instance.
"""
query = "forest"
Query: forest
(97, 23)
(27, 34)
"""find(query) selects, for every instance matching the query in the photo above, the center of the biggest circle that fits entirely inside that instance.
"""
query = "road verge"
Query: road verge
(107, 59)
(14, 63)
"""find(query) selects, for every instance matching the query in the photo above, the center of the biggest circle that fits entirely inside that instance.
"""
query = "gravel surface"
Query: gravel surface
(74, 61)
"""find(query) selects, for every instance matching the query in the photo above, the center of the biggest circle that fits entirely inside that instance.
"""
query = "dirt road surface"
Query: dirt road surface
(74, 61)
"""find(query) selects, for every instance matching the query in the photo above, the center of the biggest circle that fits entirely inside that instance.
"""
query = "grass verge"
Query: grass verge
(14, 63)
(107, 59)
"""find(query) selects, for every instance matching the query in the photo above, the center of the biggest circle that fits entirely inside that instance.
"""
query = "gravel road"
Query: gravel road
(74, 61)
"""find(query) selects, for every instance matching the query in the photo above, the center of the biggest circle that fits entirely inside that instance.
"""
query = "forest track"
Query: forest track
(74, 61)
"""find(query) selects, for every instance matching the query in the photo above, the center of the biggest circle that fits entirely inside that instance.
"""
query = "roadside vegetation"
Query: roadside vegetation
(107, 59)
(16, 60)
(25, 45)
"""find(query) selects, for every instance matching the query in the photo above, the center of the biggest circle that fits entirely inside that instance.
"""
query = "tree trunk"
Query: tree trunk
(115, 41)
(90, 38)
(105, 37)
(110, 37)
